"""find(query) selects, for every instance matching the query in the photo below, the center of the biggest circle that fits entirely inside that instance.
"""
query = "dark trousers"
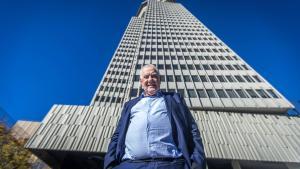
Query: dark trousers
(139, 164)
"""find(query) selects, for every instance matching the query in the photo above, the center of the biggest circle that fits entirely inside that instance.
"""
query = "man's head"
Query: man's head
(149, 78)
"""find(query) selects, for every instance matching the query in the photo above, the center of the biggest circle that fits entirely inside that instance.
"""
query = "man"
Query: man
(156, 130)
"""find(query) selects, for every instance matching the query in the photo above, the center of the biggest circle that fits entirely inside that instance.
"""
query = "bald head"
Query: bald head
(149, 79)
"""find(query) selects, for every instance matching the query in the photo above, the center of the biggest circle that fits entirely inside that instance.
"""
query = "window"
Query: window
(229, 67)
(231, 93)
(170, 78)
(183, 67)
(252, 93)
(203, 78)
(221, 78)
(272, 93)
(241, 93)
(162, 78)
(248, 78)
(213, 67)
(178, 78)
(221, 93)
(257, 78)
(211, 93)
(221, 67)
(212, 78)
(175, 67)
(191, 67)
(168, 66)
(160, 66)
(201, 93)
(198, 67)
(206, 67)
(191, 93)
(230, 78)
(262, 93)
(136, 78)
(181, 91)
(195, 78)
(239, 78)
(186, 78)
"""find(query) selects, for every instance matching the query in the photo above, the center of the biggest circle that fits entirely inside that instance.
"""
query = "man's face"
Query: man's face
(150, 81)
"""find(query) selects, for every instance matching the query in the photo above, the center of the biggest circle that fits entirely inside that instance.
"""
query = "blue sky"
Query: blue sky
(56, 52)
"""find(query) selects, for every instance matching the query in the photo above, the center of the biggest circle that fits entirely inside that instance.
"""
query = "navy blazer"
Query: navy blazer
(184, 130)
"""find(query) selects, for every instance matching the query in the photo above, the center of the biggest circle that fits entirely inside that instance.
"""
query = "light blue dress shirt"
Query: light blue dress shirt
(149, 134)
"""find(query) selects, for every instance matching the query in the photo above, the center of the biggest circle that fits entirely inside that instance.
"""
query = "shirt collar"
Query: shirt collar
(157, 94)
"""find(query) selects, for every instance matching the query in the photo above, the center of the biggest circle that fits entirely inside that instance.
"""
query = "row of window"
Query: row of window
(209, 50)
(209, 78)
(178, 37)
(150, 29)
(198, 25)
(181, 43)
(192, 57)
(200, 67)
(108, 99)
(175, 32)
(221, 93)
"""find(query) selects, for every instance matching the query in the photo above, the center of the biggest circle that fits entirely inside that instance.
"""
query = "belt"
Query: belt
(155, 160)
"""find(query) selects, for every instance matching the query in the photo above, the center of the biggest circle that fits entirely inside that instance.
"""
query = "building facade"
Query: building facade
(241, 117)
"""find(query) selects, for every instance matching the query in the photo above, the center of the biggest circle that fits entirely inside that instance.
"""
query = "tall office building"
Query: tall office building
(241, 117)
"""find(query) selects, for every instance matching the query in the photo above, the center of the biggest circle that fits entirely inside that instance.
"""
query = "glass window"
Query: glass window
(213, 67)
(183, 67)
(221, 78)
(239, 78)
(230, 78)
(160, 66)
(178, 78)
(203, 78)
(248, 78)
(221, 67)
(198, 67)
(195, 78)
(191, 67)
(206, 67)
(201, 93)
(231, 93)
(136, 78)
(257, 78)
(252, 93)
(191, 93)
(212, 78)
(221, 93)
(241, 93)
(175, 67)
(211, 93)
(272, 93)
(262, 93)
(168, 66)
(186, 78)
(181, 91)
(170, 78)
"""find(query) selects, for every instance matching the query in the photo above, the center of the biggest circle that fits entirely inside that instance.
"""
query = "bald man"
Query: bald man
(156, 131)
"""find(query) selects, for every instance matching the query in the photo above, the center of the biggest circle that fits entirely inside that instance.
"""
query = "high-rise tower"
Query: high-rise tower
(240, 115)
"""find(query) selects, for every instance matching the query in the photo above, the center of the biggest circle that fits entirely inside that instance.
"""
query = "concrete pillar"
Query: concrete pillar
(292, 165)
(235, 164)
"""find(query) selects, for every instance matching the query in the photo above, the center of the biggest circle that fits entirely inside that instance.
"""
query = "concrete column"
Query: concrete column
(292, 165)
(235, 164)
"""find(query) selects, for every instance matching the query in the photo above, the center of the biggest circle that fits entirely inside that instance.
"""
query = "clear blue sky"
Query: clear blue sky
(56, 52)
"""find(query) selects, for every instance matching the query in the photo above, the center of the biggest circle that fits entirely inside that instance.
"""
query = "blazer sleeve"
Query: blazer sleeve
(197, 156)
(110, 158)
